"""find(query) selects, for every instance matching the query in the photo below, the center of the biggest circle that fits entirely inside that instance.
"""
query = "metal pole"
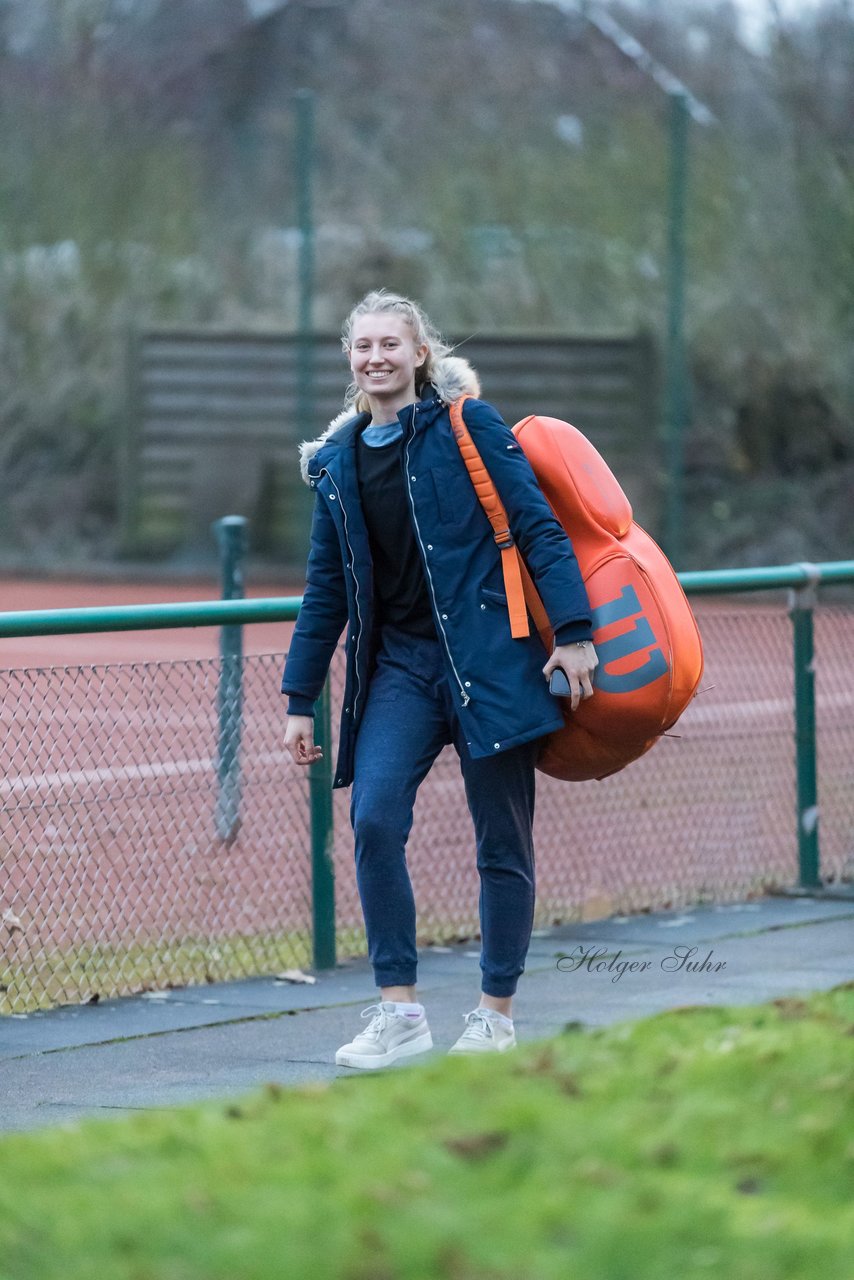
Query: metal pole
(676, 388)
(304, 100)
(304, 164)
(231, 535)
(801, 613)
(322, 869)
(305, 216)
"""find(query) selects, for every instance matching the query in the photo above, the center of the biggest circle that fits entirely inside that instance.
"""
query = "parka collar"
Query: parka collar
(454, 378)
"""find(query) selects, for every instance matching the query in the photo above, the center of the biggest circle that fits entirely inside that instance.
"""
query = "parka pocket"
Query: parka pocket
(454, 495)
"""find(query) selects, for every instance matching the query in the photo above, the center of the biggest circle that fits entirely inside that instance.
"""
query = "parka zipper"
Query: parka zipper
(464, 695)
(351, 566)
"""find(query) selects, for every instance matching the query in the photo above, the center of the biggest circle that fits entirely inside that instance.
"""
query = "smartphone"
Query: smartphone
(558, 684)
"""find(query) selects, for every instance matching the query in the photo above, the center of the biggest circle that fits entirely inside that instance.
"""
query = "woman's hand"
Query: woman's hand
(299, 740)
(578, 662)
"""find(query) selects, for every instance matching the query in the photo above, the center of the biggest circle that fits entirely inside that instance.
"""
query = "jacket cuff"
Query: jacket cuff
(572, 632)
(298, 705)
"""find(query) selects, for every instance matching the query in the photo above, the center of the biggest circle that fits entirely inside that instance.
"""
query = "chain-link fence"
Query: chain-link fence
(118, 876)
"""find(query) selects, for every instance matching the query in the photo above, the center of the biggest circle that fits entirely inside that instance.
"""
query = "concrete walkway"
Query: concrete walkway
(196, 1043)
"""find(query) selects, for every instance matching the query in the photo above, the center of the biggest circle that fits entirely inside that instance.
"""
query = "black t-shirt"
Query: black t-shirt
(400, 588)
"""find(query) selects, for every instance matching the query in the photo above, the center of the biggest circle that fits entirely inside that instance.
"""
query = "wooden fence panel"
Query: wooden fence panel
(213, 425)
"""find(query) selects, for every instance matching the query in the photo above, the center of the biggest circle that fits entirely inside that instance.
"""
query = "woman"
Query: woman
(404, 557)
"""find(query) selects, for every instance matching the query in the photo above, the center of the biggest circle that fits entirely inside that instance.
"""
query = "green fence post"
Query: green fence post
(304, 108)
(304, 100)
(322, 870)
(304, 103)
(676, 385)
(231, 536)
(802, 603)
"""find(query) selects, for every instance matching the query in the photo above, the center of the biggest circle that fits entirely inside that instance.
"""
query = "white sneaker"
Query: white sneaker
(388, 1036)
(485, 1033)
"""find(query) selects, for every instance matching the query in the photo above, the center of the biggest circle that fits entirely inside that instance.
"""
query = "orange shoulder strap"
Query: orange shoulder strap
(517, 581)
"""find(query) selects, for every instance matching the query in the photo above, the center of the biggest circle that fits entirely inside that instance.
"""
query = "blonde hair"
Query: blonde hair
(423, 332)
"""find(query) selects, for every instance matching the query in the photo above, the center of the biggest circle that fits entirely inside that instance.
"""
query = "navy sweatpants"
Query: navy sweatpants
(409, 717)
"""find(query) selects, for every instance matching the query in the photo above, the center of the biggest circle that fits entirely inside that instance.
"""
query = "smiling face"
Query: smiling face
(383, 360)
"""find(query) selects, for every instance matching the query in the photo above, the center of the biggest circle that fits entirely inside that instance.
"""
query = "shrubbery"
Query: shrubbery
(522, 188)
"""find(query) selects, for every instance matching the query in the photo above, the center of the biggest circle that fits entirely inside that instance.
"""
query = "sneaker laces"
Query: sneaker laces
(478, 1025)
(379, 1021)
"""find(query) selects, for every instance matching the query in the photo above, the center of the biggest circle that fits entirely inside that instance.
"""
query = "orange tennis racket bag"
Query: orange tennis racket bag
(646, 636)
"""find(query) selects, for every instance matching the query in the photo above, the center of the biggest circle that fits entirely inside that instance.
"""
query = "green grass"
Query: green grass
(698, 1143)
(44, 979)
(69, 975)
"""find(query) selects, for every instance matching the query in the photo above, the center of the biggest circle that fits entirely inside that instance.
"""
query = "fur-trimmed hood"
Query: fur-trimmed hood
(454, 377)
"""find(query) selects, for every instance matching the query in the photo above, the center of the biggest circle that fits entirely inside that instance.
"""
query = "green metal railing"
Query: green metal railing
(148, 617)
(212, 613)
(802, 580)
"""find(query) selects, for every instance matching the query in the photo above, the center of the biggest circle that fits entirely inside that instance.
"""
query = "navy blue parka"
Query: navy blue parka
(501, 696)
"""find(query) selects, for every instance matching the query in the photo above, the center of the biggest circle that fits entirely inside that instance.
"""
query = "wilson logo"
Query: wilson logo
(640, 638)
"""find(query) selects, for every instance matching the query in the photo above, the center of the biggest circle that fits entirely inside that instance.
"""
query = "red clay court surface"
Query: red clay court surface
(108, 785)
